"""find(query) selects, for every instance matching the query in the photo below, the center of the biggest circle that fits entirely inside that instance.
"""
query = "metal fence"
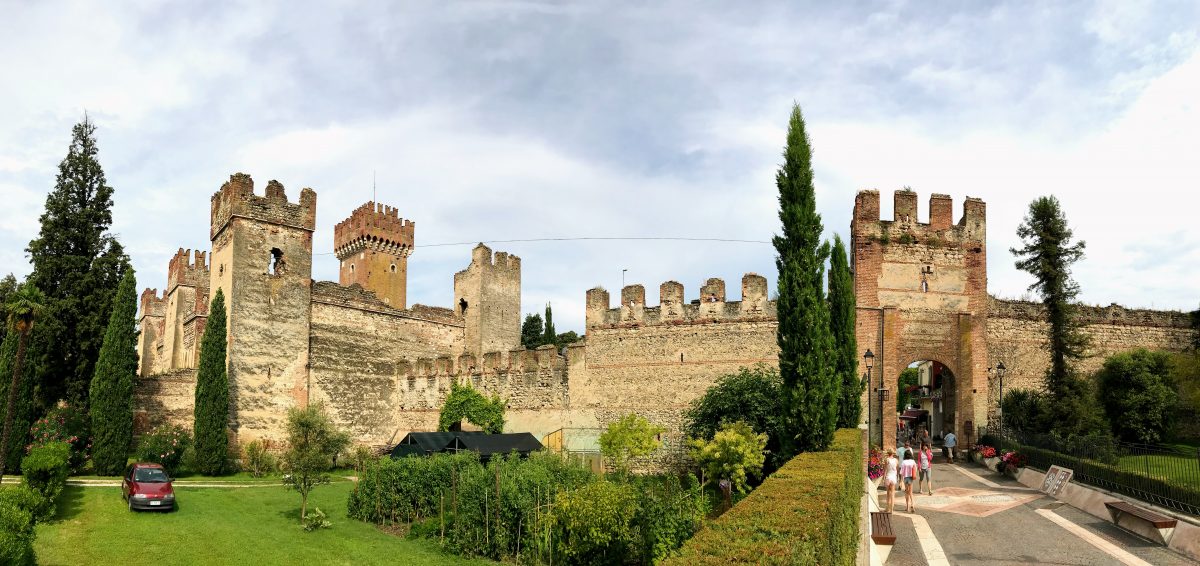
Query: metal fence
(1167, 476)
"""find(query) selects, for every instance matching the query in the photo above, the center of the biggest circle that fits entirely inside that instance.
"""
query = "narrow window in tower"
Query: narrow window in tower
(277, 265)
(393, 268)
(352, 268)
(462, 307)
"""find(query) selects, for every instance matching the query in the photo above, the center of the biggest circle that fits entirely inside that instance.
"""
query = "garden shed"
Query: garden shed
(486, 445)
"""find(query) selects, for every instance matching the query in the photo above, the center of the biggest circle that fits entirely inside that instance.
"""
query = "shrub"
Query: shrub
(806, 512)
(361, 457)
(1138, 394)
(670, 510)
(256, 458)
(316, 519)
(16, 535)
(464, 402)
(735, 453)
(1026, 411)
(989, 440)
(407, 489)
(752, 396)
(46, 468)
(594, 524)
(164, 445)
(63, 423)
(28, 499)
(313, 442)
(631, 437)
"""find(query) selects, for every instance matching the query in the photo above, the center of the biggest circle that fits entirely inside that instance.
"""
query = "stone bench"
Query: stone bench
(882, 534)
(1141, 521)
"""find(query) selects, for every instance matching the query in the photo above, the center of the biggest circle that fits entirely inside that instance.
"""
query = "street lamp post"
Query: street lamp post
(869, 360)
(1000, 373)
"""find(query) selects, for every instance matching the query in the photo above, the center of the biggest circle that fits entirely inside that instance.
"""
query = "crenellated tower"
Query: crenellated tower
(262, 262)
(487, 294)
(373, 246)
(186, 309)
(151, 316)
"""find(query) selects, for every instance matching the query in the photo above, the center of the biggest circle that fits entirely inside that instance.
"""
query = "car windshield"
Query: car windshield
(151, 475)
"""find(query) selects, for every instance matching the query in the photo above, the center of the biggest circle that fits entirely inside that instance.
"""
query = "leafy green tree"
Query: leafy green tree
(810, 385)
(313, 442)
(1025, 411)
(24, 308)
(1138, 394)
(78, 264)
(735, 453)
(628, 438)
(842, 329)
(549, 336)
(531, 331)
(465, 402)
(212, 394)
(753, 396)
(1048, 253)
(908, 379)
(112, 386)
(568, 337)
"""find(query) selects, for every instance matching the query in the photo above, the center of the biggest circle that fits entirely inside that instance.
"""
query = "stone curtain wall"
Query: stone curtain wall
(164, 398)
(1017, 335)
(654, 361)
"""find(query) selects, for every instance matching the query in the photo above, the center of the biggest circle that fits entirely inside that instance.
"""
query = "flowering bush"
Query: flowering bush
(63, 423)
(875, 464)
(1011, 460)
(985, 451)
(164, 445)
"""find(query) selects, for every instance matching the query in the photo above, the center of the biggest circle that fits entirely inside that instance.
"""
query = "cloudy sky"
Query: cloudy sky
(519, 120)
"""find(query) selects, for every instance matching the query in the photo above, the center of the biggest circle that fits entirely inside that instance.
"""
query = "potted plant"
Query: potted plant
(1011, 463)
(875, 467)
(986, 454)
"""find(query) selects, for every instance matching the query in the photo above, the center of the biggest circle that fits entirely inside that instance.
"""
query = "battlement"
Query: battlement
(237, 199)
(374, 226)
(673, 309)
(1113, 314)
(482, 256)
(151, 304)
(188, 268)
(939, 229)
(544, 359)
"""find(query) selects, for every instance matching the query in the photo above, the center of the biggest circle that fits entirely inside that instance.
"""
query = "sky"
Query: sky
(491, 121)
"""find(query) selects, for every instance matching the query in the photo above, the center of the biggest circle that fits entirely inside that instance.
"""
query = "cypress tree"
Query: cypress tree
(8, 285)
(841, 327)
(112, 386)
(531, 331)
(549, 336)
(212, 394)
(805, 363)
(23, 405)
(77, 264)
(24, 308)
(1048, 254)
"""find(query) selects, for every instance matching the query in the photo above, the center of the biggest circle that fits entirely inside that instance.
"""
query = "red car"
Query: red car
(147, 486)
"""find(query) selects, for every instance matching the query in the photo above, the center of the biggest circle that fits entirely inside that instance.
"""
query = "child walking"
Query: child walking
(908, 471)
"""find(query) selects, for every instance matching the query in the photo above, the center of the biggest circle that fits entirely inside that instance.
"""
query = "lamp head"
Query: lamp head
(869, 358)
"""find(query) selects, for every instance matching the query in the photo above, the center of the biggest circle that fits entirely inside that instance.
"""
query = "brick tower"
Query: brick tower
(262, 261)
(373, 246)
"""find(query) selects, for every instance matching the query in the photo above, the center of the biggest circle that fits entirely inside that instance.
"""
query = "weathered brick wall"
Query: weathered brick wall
(654, 361)
(372, 247)
(358, 347)
(1017, 335)
(164, 398)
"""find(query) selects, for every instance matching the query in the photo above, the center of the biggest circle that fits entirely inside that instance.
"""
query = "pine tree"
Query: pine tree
(548, 335)
(212, 394)
(78, 264)
(841, 328)
(112, 386)
(805, 362)
(531, 331)
(1048, 254)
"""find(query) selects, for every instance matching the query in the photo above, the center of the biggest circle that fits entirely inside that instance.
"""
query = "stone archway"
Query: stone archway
(936, 395)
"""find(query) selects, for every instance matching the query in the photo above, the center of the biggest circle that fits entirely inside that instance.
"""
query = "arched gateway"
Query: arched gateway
(922, 295)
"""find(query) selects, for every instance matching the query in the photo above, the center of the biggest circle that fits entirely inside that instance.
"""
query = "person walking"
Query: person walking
(908, 471)
(925, 468)
(950, 441)
(891, 478)
(902, 449)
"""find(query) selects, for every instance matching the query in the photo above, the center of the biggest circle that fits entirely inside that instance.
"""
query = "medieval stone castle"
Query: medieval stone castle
(382, 367)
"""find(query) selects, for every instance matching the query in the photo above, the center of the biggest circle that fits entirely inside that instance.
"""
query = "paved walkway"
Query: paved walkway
(975, 516)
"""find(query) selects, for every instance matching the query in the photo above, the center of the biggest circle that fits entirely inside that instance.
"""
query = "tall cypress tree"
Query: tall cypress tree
(78, 264)
(8, 285)
(805, 364)
(112, 386)
(212, 393)
(548, 335)
(1048, 254)
(841, 328)
(23, 403)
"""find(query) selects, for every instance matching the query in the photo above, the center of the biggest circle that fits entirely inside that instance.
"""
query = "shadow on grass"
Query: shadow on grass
(70, 504)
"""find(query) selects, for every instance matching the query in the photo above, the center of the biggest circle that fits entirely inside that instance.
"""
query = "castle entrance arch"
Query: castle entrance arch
(921, 292)
(931, 395)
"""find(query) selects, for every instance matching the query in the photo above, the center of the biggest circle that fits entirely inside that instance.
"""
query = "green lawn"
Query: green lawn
(1181, 470)
(253, 525)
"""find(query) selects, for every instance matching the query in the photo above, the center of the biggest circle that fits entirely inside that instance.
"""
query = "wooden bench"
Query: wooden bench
(1147, 523)
(882, 534)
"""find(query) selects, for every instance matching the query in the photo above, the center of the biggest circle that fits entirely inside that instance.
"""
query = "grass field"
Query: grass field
(1181, 470)
(252, 525)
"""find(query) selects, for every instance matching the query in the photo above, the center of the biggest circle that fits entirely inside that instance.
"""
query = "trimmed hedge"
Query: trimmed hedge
(16, 534)
(46, 469)
(807, 512)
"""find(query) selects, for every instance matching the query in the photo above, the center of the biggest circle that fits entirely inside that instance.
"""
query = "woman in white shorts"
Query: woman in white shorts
(892, 478)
